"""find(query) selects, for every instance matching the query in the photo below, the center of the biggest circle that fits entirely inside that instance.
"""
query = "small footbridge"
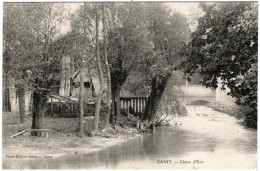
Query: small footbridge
(198, 94)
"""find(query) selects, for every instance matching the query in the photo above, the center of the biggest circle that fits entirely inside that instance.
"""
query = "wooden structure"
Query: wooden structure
(62, 101)
(88, 86)
(133, 104)
(128, 104)
(29, 131)
(19, 133)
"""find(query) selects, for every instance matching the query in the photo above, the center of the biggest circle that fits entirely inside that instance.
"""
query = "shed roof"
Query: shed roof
(86, 77)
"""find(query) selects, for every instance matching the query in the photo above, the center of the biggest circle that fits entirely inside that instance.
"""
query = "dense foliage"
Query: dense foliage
(225, 46)
(28, 31)
(168, 31)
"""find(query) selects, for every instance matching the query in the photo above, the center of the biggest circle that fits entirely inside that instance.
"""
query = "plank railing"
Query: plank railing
(133, 104)
(128, 104)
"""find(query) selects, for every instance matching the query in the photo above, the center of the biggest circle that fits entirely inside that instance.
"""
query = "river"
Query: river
(205, 139)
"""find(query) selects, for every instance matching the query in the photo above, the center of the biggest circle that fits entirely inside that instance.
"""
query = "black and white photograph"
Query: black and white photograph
(118, 85)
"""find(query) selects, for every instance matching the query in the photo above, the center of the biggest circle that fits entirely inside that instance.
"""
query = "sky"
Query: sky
(72, 7)
(185, 8)
(190, 9)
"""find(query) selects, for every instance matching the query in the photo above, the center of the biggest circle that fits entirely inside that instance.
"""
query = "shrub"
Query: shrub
(199, 102)
(182, 110)
(172, 99)
(65, 111)
(248, 115)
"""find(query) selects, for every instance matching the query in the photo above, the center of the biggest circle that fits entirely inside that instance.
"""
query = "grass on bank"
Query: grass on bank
(63, 135)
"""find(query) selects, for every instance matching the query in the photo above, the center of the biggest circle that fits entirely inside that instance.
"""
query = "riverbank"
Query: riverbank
(231, 109)
(62, 139)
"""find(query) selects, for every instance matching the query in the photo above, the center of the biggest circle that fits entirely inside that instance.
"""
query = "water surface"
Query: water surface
(205, 139)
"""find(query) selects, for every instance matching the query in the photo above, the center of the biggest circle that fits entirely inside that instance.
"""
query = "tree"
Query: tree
(128, 44)
(81, 104)
(21, 92)
(100, 73)
(169, 32)
(107, 116)
(225, 46)
(173, 96)
(24, 49)
(82, 26)
(137, 83)
(16, 47)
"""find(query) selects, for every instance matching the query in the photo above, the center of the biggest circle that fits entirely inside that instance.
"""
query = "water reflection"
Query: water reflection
(220, 143)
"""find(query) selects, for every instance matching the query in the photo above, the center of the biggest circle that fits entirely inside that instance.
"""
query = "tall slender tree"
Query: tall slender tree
(107, 116)
(100, 73)
(81, 104)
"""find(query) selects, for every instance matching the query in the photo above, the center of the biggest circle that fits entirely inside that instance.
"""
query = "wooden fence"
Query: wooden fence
(133, 104)
(129, 104)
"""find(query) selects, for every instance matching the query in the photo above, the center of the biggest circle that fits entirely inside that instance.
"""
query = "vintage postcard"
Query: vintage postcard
(129, 85)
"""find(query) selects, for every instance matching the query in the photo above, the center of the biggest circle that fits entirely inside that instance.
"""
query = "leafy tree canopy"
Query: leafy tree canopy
(29, 29)
(225, 46)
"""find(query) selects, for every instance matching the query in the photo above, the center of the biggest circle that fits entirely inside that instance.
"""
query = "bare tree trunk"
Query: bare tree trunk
(81, 115)
(116, 85)
(67, 76)
(154, 99)
(28, 95)
(21, 99)
(13, 100)
(39, 104)
(44, 110)
(107, 116)
(117, 101)
(113, 112)
(72, 66)
(63, 76)
(100, 75)
(117, 81)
